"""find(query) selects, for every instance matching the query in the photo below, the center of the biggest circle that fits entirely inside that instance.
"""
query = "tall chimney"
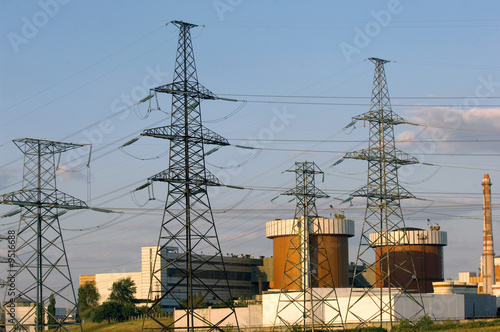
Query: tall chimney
(488, 254)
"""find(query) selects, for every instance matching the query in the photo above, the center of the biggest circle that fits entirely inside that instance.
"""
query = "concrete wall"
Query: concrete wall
(248, 317)
(437, 306)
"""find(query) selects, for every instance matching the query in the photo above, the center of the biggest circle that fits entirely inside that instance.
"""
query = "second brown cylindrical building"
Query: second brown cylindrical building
(412, 258)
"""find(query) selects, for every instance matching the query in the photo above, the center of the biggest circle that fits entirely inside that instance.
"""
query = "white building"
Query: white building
(242, 272)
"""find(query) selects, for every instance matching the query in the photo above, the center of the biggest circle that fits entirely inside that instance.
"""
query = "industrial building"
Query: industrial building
(424, 246)
(416, 250)
(247, 277)
(242, 273)
(333, 232)
(471, 283)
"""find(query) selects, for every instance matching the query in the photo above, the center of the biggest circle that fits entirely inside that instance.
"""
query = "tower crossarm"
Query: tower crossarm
(43, 147)
(191, 88)
(50, 198)
(380, 154)
(374, 192)
(169, 175)
(386, 116)
(317, 193)
(175, 132)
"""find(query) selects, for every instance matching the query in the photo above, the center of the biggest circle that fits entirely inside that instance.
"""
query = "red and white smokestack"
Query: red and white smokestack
(488, 253)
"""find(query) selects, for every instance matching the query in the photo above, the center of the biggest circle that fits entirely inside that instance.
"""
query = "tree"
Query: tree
(120, 305)
(51, 309)
(88, 299)
(113, 310)
(107, 311)
(123, 290)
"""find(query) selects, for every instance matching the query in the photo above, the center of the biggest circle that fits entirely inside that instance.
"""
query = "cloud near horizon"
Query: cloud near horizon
(450, 130)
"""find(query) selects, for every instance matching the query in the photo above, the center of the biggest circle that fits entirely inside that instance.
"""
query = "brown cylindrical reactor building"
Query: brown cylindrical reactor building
(329, 236)
(425, 247)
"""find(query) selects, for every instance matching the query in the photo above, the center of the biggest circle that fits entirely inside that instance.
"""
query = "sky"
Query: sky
(72, 70)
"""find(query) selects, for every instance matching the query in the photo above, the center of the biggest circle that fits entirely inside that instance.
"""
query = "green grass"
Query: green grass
(128, 326)
(426, 324)
(136, 325)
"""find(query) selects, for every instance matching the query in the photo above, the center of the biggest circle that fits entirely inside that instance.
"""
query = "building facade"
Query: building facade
(247, 277)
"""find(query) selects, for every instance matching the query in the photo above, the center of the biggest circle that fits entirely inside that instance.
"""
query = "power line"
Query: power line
(349, 97)
(359, 104)
(364, 141)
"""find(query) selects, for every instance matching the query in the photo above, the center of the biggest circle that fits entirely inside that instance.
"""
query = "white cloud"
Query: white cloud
(449, 130)
(67, 173)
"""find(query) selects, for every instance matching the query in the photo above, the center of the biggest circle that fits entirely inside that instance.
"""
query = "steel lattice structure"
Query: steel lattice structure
(188, 222)
(40, 266)
(383, 212)
(307, 283)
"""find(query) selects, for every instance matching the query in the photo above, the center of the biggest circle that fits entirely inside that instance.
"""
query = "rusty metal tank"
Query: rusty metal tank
(426, 250)
(334, 234)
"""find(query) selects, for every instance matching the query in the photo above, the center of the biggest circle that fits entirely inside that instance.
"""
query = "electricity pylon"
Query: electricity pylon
(383, 214)
(188, 222)
(40, 266)
(307, 285)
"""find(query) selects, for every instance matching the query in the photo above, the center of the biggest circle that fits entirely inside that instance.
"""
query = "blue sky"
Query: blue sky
(67, 66)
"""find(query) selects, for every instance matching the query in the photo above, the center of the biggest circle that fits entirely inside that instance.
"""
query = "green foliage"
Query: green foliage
(241, 302)
(51, 309)
(198, 302)
(404, 325)
(426, 324)
(88, 298)
(123, 291)
(369, 329)
(156, 310)
(116, 311)
(229, 328)
(448, 325)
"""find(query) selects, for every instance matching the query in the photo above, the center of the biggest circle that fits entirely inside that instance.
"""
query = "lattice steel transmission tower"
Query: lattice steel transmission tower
(40, 266)
(307, 287)
(188, 225)
(395, 277)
